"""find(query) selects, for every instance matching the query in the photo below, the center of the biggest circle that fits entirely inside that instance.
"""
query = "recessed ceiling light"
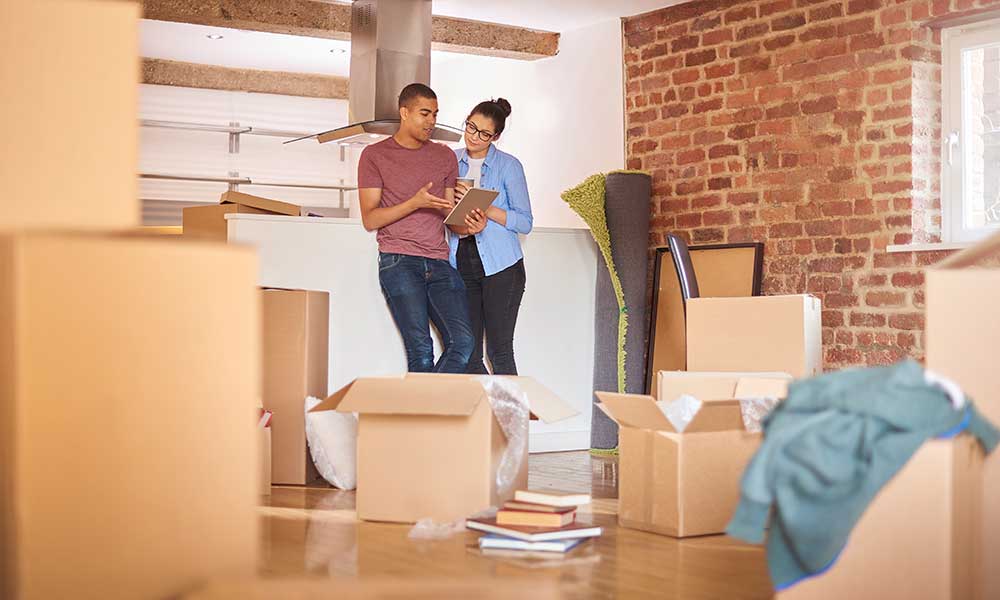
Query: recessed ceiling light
(214, 36)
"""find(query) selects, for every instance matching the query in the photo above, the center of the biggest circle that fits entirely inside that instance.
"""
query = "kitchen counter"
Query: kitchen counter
(554, 341)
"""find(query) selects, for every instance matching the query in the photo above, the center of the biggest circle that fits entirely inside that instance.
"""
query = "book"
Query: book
(541, 508)
(535, 519)
(551, 498)
(534, 534)
(498, 542)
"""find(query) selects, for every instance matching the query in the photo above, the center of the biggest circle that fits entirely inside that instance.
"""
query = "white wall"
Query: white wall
(262, 158)
(568, 114)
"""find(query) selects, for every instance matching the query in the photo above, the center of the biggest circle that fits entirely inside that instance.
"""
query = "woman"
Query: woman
(491, 262)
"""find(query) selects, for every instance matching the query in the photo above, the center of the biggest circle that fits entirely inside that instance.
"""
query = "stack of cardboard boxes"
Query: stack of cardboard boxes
(129, 365)
(934, 530)
(686, 482)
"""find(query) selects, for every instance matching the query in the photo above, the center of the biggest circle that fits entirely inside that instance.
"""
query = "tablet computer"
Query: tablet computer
(473, 199)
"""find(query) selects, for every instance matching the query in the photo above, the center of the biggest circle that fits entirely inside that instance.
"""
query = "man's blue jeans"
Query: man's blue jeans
(420, 291)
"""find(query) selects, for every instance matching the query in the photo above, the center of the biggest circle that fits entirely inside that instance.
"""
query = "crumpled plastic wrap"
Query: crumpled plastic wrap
(754, 410)
(680, 411)
(429, 529)
(510, 407)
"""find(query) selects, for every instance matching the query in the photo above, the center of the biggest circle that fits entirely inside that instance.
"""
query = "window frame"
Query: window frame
(954, 41)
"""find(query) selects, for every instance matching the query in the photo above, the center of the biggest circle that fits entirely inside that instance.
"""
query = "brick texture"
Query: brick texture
(809, 125)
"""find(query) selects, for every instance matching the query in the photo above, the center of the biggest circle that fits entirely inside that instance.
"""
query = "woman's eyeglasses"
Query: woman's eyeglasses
(471, 128)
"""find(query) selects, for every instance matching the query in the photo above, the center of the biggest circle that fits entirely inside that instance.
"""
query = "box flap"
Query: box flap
(429, 395)
(762, 387)
(633, 410)
(542, 401)
(275, 206)
(707, 385)
(717, 416)
(990, 247)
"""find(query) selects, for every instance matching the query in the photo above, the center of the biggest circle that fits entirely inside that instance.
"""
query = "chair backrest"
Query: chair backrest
(683, 266)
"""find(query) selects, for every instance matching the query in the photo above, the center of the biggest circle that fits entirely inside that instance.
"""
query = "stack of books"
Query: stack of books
(535, 522)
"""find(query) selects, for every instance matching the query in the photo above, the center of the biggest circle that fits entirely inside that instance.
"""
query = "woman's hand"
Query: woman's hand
(475, 221)
(461, 188)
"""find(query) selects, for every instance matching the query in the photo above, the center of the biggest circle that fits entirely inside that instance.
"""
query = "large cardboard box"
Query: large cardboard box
(296, 357)
(209, 222)
(315, 588)
(129, 386)
(962, 340)
(685, 483)
(69, 71)
(917, 539)
(431, 445)
(757, 333)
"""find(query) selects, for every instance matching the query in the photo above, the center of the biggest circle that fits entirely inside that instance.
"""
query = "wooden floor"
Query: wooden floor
(313, 531)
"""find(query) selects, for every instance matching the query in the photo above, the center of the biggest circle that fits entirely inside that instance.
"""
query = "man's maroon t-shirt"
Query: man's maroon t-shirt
(400, 173)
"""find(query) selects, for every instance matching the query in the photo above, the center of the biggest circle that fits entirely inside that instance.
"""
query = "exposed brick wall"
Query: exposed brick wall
(810, 125)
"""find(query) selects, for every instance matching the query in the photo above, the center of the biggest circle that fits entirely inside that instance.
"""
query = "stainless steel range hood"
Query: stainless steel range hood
(390, 48)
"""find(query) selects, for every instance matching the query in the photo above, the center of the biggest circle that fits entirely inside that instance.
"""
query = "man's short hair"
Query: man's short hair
(414, 91)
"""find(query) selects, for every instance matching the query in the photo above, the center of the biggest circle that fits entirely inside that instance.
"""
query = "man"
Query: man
(406, 184)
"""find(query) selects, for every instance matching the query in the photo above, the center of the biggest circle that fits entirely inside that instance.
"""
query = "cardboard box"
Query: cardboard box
(266, 204)
(296, 362)
(709, 386)
(481, 588)
(684, 484)
(962, 335)
(264, 439)
(69, 71)
(209, 222)
(917, 539)
(430, 445)
(129, 383)
(758, 333)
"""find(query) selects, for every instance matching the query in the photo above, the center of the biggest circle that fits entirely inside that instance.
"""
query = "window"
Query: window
(970, 160)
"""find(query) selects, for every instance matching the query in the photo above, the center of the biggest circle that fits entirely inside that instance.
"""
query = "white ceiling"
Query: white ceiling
(548, 15)
(277, 52)
(243, 49)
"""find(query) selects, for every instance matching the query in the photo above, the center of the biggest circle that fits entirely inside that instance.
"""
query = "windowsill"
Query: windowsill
(936, 247)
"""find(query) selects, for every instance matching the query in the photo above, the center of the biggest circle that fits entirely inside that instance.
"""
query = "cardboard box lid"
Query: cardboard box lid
(710, 386)
(436, 394)
(275, 206)
(641, 412)
(988, 248)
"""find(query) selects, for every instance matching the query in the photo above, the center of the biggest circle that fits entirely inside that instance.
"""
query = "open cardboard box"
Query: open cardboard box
(686, 483)
(429, 445)
(756, 333)
(209, 222)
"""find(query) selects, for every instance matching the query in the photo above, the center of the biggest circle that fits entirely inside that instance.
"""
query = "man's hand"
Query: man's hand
(425, 199)
(475, 221)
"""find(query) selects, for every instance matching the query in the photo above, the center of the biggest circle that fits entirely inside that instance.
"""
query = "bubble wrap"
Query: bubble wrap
(754, 410)
(510, 406)
(680, 411)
